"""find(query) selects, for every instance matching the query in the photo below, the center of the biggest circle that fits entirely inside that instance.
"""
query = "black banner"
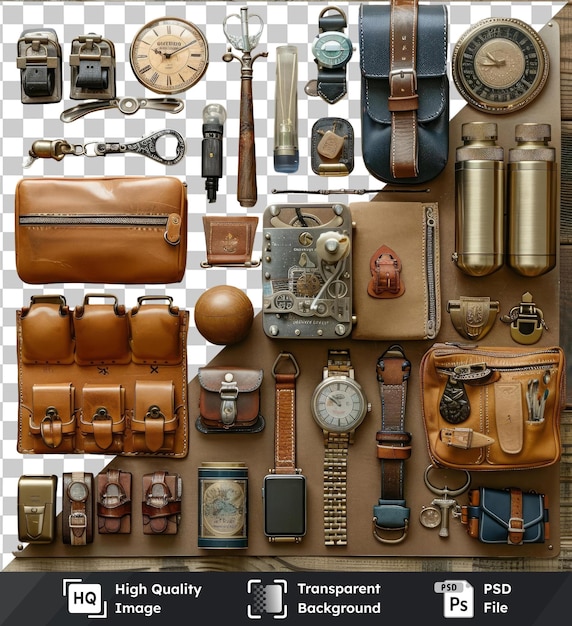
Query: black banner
(125, 598)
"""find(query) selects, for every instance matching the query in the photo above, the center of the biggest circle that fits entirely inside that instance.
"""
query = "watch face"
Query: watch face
(338, 404)
(78, 491)
(500, 65)
(169, 55)
(332, 49)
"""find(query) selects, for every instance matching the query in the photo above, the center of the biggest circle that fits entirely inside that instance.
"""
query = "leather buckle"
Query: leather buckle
(385, 267)
(402, 74)
(77, 520)
(229, 396)
(51, 428)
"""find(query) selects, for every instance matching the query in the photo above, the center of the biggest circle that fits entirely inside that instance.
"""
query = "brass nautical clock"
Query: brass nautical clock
(169, 55)
(500, 65)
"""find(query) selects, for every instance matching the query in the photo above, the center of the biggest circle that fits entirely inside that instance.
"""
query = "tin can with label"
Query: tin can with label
(223, 501)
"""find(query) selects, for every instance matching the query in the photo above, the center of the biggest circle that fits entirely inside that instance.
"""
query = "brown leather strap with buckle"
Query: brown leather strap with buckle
(391, 516)
(403, 98)
(385, 268)
(516, 521)
(114, 502)
(160, 503)
(285, 425)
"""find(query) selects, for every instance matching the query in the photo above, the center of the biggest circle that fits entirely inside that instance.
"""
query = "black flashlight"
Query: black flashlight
(214, 117)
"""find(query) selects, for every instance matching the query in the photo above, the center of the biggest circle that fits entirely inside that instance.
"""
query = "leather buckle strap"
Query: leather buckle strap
(403, 98)
(516, 521)
(385, 269)
(285, 424)
(390, 521)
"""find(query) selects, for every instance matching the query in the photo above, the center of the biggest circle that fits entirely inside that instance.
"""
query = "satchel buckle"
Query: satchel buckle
(77, 520)
(228, 395)
(401, 74)
(515, 529)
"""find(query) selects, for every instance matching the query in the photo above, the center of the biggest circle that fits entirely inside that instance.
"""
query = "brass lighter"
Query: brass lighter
(532, 201)
(479, 200)
(37, 508)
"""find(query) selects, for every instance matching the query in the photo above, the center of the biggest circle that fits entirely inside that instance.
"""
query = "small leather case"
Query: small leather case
(508, 516)
(332, 147)
(114, 502)
(40, 63)
(229, 240)
(103, 418)
(37, 508)
(92, 68)
(52, 422)
(229, 400)
(155, 421)
(77, 508)
(162, 493)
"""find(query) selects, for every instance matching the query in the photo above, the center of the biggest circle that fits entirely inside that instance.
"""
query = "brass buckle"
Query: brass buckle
(376, 530)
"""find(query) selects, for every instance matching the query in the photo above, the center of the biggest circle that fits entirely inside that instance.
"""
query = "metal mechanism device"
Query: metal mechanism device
(307, 271)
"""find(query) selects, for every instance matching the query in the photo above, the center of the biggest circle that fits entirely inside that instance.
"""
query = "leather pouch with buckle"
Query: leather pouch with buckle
(492, 408)
(509, 516)
(229, 240)
(114, 502)
(78, 508)
(162, 493)
(40, 63)
(129, 229)
(92, 68)
(101, 379)
(397, 285)
(229, 400)
(405, 91)
(102, 418)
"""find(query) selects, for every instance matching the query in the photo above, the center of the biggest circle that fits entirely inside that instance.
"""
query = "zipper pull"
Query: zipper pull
(173, 229)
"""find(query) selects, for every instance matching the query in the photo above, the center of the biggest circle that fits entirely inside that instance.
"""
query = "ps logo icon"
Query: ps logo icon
(458, 598)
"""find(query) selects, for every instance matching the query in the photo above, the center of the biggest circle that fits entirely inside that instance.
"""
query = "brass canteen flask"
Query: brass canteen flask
(479, 200)
(532, 201)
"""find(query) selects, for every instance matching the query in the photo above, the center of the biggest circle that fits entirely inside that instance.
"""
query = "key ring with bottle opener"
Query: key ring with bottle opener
(437, 513)
(58, 148)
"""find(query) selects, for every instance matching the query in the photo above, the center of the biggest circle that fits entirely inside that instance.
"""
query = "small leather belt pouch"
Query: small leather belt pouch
(114, 502)
(397, 285)
(40, 63)
(92, 68)
(229, 240)
(129, 229)
(161, 507)
(229, 400)
(102, 379)
(508, 516)
(405, 103)
(492, 408)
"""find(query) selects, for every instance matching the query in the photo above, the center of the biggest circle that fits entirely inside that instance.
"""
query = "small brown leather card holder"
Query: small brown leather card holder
(229, 240)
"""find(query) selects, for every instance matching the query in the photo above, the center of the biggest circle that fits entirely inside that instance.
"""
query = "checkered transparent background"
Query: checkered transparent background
(285, 22)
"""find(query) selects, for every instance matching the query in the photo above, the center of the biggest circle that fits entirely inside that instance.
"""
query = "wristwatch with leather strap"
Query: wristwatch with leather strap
(390, 514)
(403, 97)
(332, 49)
(77, 510)
(338, 407)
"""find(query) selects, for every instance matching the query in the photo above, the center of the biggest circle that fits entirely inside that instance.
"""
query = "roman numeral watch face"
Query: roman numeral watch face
(500, 65)
(169, 55)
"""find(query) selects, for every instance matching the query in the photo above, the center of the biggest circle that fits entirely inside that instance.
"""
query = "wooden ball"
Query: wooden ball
(223, 315)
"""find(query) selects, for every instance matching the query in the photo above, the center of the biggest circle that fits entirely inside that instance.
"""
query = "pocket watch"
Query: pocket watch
(169, 55)
(500, 65)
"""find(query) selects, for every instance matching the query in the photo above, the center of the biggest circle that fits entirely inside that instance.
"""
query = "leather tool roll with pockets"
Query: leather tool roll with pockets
(101, 378)
(129, 229)
(494, 408)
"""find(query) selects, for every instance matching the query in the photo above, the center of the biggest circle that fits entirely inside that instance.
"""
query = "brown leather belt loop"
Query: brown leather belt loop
(403, 97)
(285, 425)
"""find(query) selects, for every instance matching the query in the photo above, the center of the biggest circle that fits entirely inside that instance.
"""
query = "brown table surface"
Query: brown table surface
(306, 563)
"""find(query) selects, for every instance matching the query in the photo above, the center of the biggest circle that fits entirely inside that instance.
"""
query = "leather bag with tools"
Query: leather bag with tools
(101, 378)
(130, 229)
(492, 408)
(405, 90)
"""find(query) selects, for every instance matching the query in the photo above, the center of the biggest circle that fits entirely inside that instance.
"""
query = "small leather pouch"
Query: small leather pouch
(53, 422)
(114, 502)
(508, 516)
(405, 91)
(229, 400)
(396, 264)
(332, 147)
(155, 331)
(162, 493)
(40, 63)
(101, 332)
(129, 229)
(46, 332)
(92, 68)
(155, 421)
(229, 240)
(37, 508)
(492, 408)
(102, 418)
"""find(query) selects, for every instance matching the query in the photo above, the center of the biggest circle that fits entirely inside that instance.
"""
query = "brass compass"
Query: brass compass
(500, 65)
(169, 55)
